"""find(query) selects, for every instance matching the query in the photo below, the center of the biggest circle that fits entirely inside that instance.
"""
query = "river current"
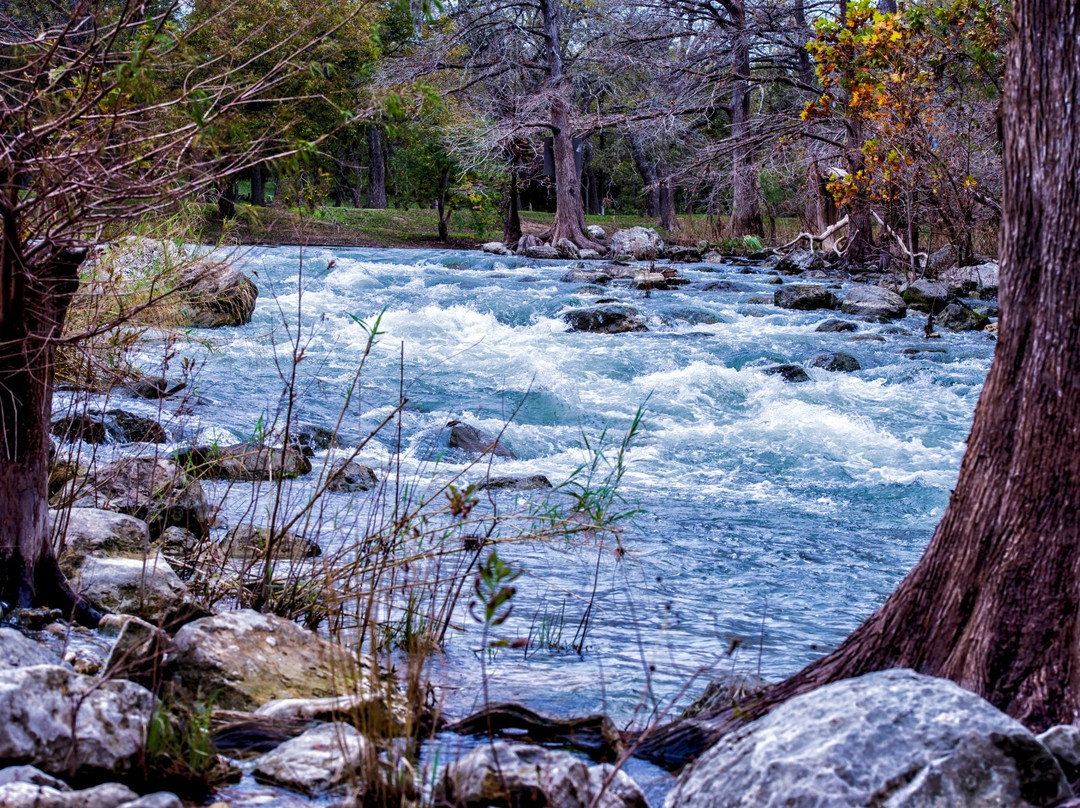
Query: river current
(774, 516)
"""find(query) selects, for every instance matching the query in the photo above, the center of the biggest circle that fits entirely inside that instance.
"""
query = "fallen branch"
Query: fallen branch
(828, 231)
(594, 735)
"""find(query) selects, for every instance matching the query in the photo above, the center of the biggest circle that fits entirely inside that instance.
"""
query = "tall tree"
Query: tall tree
(994, 603)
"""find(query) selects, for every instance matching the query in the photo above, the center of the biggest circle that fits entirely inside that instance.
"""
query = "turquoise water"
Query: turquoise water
(775, 516)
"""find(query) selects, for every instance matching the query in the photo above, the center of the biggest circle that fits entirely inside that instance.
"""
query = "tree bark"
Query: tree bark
(226, 202)
(258, 186)
(668, 220)
(647, 170)
(994, 603)
(36, 290)
(860, 247)
(376, 194)
(569, 209)
(512, 219)
(745, 210)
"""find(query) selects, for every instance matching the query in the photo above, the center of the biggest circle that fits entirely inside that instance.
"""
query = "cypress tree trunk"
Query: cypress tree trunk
(258, 186)
(648, 175)
(376, 194)
(745, 210)
(512, 220)
(994, 603)
(37, 286)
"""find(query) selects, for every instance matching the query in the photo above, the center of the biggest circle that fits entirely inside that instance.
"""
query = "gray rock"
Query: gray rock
(525, 242)
(1063, 741)
(606, 319)
(93, 531)
(789, 373)
(18, 651)
(658, 280)
(213, 294)
(28, 795)
(246, 461)
(542, 251)
(495, 248)
(60, 721)
(589, 255)
(244, 659)
(148, 588)
(473, 441)
(836, 362)
(926, 295)
(894, 738)
(323, 758)
(249, 541)
(567, 249)
(595, 232)
(835, 326)
(941, 260)
(155, 490)
(138, 652)
(352, 476)
(33, 775)
(958, 317)
(159, 799)
(638, 243)
(504, 774)
(530, 483)
(800, 261)
(312, 438)
(874, 301)
(133, 428)
(582, 275)
(683, 255)
(804, 297)
(981, 280)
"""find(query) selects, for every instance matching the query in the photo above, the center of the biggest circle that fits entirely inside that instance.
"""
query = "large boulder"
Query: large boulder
(542, 251)
(214, 294)
(958, 317)
(19, 651)
(246, 461)
(976, 281)
(926, 295)
(323, 758)
(800, 261)
(874, 301)
(595, 232)
(97, 532)
(153, 489)
(894, 738)
(804, 297)
(495, 248)
(567, 249)
(638, 243)
(500, 773)
(243, 659)
(582, 275)
(610, 318)
(940, 260)
(18, 794)
(148, 588)
(115, 426)
(61, 722)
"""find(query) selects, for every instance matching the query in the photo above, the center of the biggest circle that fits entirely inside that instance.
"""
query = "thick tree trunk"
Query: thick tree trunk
(822, 207)
(36, 291)
(647, 170)
(512, 220)
(994, 603)
(258, 186)
(376, 192)
(668, 220)
(226, 202)
(745, 210)
(860, 247)
(569, 210)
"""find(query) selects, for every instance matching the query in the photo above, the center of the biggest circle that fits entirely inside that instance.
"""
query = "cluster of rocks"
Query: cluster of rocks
(633, 244)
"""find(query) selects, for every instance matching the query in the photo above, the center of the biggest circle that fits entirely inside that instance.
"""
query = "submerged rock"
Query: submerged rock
(244, 659)
(352, 476)
(606, 319)
(874, 301)
(836, 362)
(500, 773)
(804, 297)
(582, 275)
(531, 483)
(789, 373)
(469, 439)
(894, 738)
(835, 326)
(60, 721)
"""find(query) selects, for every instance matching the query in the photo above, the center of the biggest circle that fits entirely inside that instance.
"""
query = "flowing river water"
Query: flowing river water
(774, 516)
